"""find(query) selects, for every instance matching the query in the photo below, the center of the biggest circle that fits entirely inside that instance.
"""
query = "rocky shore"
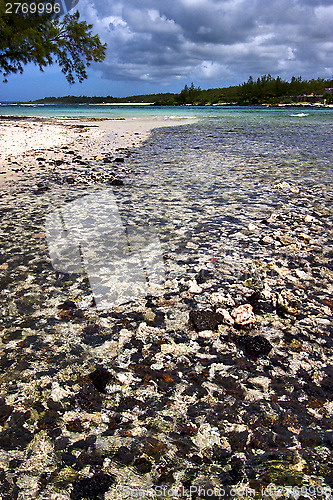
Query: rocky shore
(217, 386)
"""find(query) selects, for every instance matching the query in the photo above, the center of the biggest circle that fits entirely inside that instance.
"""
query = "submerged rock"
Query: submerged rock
(92, 487)
(255, 345)
(205, 319)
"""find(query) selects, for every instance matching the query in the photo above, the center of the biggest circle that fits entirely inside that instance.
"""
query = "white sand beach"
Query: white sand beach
(20, 136)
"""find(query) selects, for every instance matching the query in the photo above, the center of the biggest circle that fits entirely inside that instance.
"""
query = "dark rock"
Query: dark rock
(54, 432)
(328, 438)
(238, 440)
(166, 477)
(92, 488)
(70, 314)
(188, 429)
(184, 444)
(220, 455)
(197, 390)
(61, 443)
(48, 420)
(91, 329)
(67, 305)
(89, 398)
(54, 405)
(205, 319)
(94, 340)
(119, 160)
(142, 465)
(203, 276)
(5, 410)
(15, 438)
(69, 180)
(74, 426)
(100, 378)
(124, 456)
(128, 402)
(41, 187)
(68, 459)
(236, 472)
(158, 320)
(91, 457)
(154, 448)
(84, 444)
(310, 438)
(116, 182)
(8, 490)
(255, 346)
(230, 385)
(259, 304)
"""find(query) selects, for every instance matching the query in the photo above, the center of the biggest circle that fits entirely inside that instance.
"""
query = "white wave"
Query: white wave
(300, 114)
(179, 117)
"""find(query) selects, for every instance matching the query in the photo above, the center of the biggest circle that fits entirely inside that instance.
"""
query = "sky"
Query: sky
(161, 45)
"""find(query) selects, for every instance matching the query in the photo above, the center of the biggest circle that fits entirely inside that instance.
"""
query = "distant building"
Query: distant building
(312, 98)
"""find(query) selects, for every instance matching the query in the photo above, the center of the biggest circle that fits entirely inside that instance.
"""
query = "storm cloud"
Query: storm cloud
(210, 41)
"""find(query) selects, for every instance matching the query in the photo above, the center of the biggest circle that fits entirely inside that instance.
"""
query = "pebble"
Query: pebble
(243, 315)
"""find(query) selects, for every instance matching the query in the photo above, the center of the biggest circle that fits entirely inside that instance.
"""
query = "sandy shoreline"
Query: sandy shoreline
(21, 136)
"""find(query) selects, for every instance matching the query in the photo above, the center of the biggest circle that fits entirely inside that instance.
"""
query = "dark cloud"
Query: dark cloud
(212, 40)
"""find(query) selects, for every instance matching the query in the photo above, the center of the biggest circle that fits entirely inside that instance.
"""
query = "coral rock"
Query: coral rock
(243, 315)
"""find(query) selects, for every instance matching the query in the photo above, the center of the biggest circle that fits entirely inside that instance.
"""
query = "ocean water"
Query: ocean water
(204, 183)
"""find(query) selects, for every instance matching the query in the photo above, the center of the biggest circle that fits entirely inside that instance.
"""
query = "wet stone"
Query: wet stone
(142, 465)
(89, 398)
(124, 456)
(256, 345)
(100, 378)
(92, 488)
(205, 320)
(5, 410)
(203, 276)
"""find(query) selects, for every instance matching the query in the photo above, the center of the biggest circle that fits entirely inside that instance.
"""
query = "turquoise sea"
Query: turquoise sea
(125, 110)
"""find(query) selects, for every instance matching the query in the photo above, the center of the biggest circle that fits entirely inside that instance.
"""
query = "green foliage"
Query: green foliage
(265, 90)
(45, 39)
(275, 90)
(189, 95)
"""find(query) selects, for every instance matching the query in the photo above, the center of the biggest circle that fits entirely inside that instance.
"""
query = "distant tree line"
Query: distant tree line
(264, 90)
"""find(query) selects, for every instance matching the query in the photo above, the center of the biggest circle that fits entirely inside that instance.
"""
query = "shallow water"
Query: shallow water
(207, 181)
